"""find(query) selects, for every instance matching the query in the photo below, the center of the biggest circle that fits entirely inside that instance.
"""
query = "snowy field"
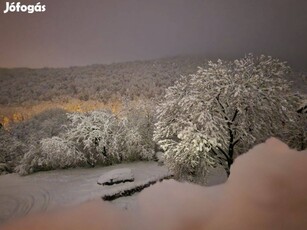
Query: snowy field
(42, 191)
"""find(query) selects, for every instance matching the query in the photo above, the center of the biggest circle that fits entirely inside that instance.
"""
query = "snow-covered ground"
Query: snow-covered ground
(20, 196)
(42, 191)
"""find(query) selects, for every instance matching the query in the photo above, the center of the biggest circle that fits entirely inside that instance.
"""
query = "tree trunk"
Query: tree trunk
(229, 164)
(227, 169)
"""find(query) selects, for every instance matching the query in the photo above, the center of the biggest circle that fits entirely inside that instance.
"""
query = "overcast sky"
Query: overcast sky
(81, 32)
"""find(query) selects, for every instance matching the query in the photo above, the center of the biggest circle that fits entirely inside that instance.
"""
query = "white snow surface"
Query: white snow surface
(43, 191)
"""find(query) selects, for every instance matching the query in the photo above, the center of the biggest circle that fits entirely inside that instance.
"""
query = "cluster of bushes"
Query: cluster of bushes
(19, 138)
(89, 139)
(11, 151)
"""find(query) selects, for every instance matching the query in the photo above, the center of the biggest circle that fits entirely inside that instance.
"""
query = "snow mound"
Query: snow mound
(116, 176)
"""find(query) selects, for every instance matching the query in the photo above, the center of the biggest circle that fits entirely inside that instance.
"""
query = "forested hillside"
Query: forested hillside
(25, 93)
(96, 82)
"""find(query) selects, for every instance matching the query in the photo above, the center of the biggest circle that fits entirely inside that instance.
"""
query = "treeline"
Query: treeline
(130, 80)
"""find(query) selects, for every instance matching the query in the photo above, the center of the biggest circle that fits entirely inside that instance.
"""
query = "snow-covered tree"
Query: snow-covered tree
(209, 118)
(297, 135)
(107, 139)
(94, 135)
(138, 117)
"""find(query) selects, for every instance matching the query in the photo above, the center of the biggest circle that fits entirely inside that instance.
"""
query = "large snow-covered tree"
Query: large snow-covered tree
(209, 118)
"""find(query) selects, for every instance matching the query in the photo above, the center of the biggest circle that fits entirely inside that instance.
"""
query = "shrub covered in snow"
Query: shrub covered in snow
(52, 153)
(19, 137)
(208, 118)
(11, 151)
(139, 118)
(104, 138)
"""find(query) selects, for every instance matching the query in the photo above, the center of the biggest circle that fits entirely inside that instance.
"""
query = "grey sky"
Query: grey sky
(81, 32)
